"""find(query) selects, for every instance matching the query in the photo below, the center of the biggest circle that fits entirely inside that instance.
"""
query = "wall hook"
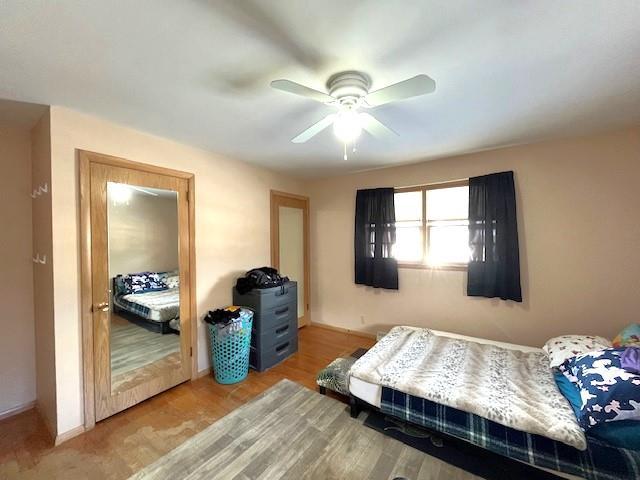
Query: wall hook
(40, 190)
(38, 259)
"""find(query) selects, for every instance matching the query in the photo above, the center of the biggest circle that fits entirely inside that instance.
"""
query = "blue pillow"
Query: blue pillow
(622, 434)
(608, 393)
(629, 337)
(569, 391)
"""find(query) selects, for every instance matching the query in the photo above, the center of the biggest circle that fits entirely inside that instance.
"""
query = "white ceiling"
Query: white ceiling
(507, 71)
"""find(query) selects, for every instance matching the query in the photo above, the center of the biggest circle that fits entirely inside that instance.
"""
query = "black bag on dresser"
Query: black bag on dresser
(274, 335)
(263, 277)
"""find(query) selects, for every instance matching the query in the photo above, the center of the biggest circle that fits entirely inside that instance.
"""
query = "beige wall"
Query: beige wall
(143, 235)
(232, 229)
(579, 243)
(43, 275)
(17, 347)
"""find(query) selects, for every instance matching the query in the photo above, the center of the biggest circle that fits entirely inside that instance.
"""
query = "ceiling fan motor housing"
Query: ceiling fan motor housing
(349, 87)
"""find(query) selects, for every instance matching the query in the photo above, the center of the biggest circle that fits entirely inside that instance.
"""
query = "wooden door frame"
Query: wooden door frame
(85, 159)
(275, 243)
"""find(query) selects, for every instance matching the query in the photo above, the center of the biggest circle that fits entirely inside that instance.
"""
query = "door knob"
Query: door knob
(101, 307)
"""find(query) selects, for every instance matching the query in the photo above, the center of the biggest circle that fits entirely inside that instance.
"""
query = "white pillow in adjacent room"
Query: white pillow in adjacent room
(172, 281)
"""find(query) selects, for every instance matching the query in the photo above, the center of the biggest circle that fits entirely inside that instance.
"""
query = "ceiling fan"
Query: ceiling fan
(349, 92)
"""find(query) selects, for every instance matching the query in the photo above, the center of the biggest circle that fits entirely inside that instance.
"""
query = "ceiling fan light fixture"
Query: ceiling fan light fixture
(347, 126)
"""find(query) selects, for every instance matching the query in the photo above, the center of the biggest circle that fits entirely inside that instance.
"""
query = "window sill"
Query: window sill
(454, 267)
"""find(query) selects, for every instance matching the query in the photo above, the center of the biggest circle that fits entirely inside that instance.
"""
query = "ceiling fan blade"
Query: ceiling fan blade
(297, 89)
(412, 87)
(314, 129)
(375, 127)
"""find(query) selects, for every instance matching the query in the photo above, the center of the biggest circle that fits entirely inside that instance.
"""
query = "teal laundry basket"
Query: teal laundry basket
(230, 346)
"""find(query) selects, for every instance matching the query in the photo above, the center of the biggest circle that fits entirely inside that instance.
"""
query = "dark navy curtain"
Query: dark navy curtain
(375, 234)
(494, 266)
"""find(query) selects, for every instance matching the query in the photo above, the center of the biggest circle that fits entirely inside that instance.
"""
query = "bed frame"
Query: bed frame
(151, 325)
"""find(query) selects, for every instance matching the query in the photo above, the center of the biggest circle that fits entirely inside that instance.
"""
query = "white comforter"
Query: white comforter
(510, 387)
(163, 305)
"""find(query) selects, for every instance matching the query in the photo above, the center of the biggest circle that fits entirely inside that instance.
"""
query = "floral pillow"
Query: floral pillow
(144, 282)
(628, 337)
(566, 346)
(608, 392)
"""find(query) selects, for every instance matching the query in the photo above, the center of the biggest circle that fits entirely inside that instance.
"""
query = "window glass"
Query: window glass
(442, 238)
(408, 206)
(408, 246)
(448, 203)
(448, 244)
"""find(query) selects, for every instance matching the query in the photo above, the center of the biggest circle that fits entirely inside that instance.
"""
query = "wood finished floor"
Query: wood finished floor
(133, 347)
(123, 444)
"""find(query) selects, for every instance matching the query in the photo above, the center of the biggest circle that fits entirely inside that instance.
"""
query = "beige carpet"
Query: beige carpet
(291, 432)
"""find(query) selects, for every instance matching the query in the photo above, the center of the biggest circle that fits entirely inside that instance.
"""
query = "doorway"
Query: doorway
(138, 282)
(290, 244)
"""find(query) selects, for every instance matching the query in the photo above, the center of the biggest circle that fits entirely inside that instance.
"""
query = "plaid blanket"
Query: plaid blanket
(598, 462)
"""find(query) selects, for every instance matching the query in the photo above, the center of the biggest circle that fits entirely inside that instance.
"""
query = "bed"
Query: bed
(153, 310)
(555, 445)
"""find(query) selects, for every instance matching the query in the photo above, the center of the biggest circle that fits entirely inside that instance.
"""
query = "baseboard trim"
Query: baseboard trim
(358, 333)
(19, 409)
(203, 373)
(74, 432)
(48, 423)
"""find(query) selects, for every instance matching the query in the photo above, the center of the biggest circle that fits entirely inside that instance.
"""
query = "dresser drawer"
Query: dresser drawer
(268, 320)
(269, 357)
(260, 300)
(284, 330)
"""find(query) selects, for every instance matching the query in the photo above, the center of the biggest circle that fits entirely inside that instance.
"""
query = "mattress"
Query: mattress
(160, 307)
(372, 393)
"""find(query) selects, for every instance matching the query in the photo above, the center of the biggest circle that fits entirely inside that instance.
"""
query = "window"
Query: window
(432, 225)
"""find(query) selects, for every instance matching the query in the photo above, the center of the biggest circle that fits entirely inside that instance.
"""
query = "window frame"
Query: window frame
(425, 226)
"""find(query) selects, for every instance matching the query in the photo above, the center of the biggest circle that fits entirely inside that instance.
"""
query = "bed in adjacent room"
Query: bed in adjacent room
(155, 306)
(498, 396)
